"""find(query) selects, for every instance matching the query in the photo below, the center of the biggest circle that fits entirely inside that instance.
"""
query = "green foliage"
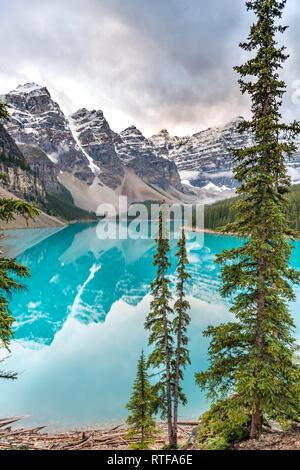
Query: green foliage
(224, 424)
(158, 322)
(254, 356)
(3, 112)
(222, 213)
(168, 328)
(61, 204)
(3, 177)
(182, 319)
(141, 425)
(9, 208)
(16, 161)
(180, 324)
(219, 214)
(294, 208)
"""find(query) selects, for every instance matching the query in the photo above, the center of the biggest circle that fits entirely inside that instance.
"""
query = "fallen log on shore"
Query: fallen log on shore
(93, 439)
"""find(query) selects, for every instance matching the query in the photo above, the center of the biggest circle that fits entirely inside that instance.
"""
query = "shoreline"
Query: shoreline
(115, 438)
(42, 221)
(61, 224)
(64, 224)
(14, 225)
(98, 438)
(208, 231)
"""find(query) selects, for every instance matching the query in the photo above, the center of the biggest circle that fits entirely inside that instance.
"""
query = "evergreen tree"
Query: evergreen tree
(252, 371)
(181, 321)
(140, 422)
(10, 270)
(159, 324)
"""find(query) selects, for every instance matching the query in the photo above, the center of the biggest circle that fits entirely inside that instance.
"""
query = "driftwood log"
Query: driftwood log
(97, 439)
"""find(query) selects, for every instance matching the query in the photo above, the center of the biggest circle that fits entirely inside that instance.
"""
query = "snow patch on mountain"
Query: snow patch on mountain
(208, 152)
(85, 148)
(212, 187)
(94, 168)
(53, 157)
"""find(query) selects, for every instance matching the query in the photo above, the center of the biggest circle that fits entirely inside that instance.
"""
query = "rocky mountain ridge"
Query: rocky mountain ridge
(21, 179)
(82, 152)
(96, 164)
(36, 120)
(138, 153)
(205, 158)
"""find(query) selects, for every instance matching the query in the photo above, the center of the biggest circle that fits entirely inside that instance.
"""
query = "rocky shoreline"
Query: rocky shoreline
(115, 438)
(89, 439)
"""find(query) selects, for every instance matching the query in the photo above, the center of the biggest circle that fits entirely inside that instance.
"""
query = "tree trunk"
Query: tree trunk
(168, 382)
(169, 397)
(175, 417)
(143, 414)
(256, 421)
(176, 388)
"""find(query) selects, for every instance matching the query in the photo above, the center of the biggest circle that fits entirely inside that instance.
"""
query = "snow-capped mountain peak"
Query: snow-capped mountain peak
(206, 156)
(28, 88)
(84, 146)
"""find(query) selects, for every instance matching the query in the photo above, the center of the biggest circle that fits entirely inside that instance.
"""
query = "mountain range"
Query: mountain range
(77, 162)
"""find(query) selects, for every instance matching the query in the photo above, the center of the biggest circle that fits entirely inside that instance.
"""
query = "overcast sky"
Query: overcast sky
(152, 63)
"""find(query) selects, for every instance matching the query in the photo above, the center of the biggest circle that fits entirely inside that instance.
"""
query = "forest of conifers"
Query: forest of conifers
(221, 213)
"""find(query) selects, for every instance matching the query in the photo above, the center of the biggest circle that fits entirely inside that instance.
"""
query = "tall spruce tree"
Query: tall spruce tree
(159, 323)
(10, 270)
(181, 321)
(141, 424)
(252, 371)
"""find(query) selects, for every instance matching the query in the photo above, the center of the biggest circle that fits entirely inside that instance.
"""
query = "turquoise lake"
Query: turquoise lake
(79, 326)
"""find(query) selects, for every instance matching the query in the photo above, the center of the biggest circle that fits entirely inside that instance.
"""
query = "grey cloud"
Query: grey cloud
(153, 63)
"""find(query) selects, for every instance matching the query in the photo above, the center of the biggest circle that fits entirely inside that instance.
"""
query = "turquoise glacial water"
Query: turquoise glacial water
(79, 326)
